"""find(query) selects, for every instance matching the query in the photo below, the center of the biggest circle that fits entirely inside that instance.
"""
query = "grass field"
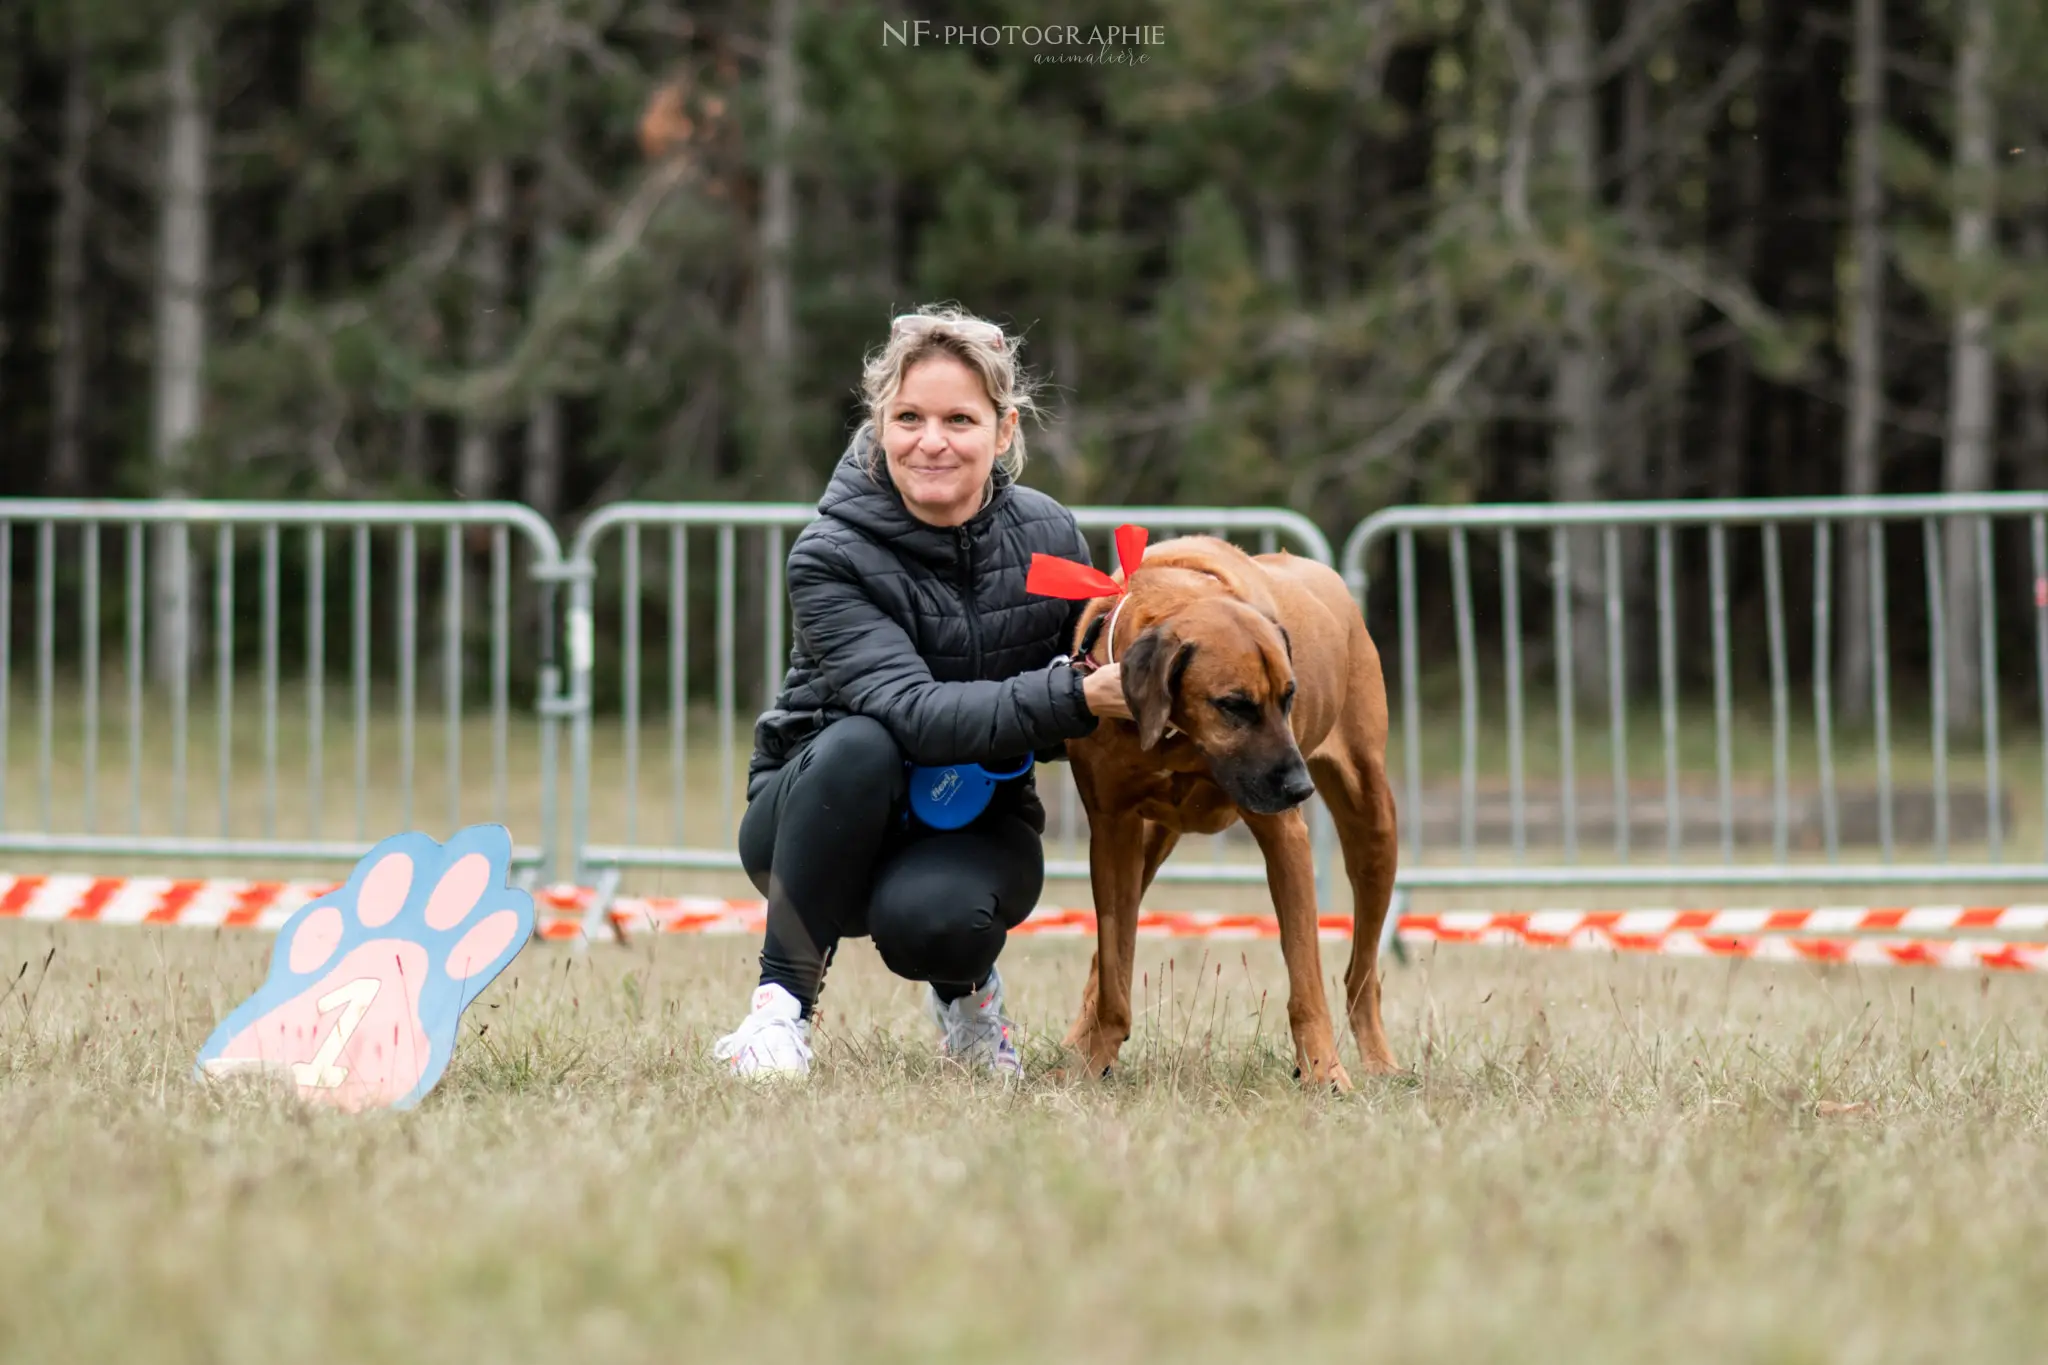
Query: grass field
(1593, 1160)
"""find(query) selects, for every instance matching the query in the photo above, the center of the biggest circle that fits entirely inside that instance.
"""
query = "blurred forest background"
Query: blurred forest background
(1325, 254)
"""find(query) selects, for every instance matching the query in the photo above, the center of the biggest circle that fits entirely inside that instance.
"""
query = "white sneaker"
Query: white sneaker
(975, 1028)
(773, 1040)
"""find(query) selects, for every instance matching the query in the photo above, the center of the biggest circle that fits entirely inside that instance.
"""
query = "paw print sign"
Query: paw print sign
(368, 983)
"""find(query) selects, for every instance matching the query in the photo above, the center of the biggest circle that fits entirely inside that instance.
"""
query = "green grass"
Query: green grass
(1593, 1160)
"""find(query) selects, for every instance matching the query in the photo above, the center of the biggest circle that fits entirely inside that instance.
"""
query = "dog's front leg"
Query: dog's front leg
(1159, 842)
(1291, 876)
(1079, 1036)
(1116, 869)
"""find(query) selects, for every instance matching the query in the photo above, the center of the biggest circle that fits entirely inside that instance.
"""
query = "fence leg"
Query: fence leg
(1390, 932)
(597, 916)
(1323, 830)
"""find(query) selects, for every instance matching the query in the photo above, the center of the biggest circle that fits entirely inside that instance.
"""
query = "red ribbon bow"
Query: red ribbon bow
(1051, 576)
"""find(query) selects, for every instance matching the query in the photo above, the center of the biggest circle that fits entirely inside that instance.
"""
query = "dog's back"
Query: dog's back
(1257, 578)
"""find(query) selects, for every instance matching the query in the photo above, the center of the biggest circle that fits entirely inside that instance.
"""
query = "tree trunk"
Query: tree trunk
(10, 80)
(541, 481)
(1862, 454)
(2033, 458)
(413, 458)
(888, 208)
(542, 486)
(1578, 459)
(181, 282)
(1063, 439)
(777, 236)
(1336, 223)
(1641, 411)
(476, 459)
(1967, 464)
(67, 278)
(1738, 380)
(415, 464)
(1276, 242)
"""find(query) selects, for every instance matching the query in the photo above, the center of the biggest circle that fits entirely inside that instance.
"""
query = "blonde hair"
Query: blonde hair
(980, 345)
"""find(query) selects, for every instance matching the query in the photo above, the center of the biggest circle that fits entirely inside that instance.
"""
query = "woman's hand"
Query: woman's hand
(1103, 690)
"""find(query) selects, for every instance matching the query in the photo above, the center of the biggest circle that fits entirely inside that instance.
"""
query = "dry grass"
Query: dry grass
(1594, 1160)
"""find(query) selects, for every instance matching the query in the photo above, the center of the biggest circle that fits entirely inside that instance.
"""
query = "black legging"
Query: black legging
(825, 842)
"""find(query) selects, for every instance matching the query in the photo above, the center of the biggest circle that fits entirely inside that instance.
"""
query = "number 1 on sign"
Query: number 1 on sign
(353, 1000)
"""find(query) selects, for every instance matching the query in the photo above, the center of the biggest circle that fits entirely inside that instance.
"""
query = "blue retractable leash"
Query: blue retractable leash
(950, 796)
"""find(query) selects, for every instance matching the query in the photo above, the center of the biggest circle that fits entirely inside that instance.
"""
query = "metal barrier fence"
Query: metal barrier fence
(344, 592)
(1604, 565)
(639, 569)
(676, 621)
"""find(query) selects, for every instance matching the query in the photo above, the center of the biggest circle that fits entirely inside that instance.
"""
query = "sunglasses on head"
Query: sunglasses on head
(913, 324)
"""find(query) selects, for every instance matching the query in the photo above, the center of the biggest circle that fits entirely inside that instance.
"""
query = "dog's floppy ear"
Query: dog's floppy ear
(1152, 670)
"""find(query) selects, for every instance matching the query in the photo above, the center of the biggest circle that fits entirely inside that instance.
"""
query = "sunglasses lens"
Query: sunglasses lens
(910, 324)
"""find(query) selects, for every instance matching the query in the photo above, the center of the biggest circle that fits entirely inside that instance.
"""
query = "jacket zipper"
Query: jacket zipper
(966, 543)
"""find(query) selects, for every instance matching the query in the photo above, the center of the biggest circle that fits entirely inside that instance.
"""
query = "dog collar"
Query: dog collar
(1109, 632)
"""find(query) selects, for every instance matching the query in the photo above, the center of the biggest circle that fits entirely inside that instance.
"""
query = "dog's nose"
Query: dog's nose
(1296, 787)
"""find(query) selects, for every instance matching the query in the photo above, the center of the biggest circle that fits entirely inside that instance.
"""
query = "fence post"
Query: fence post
(1882, 863)
(582, 648)
(249, 825)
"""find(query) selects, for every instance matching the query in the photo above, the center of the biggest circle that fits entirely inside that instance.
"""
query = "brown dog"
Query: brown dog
(1235, 667)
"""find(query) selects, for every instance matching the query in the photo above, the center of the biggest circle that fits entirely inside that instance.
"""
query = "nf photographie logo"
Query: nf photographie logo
(1096, 45)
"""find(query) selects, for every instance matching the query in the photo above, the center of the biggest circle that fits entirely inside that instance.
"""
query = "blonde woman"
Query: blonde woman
(914, 646)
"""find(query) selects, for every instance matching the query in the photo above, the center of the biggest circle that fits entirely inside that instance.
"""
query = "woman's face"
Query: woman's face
(941, 437)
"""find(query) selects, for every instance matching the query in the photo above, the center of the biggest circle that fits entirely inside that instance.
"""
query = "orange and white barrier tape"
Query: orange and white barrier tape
(652, 914)
(1967, 954)
(1543, 925)
(207, 902)
(710, 915)
(1778, 935)
(1773, 934)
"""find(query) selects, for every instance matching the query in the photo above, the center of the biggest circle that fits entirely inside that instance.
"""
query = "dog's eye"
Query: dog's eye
(1243, 710)
(1287, 701)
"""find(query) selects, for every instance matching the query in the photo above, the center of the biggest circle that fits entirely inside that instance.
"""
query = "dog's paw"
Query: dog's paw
(1332, 1077)
(1078, 1067)
(367, 983)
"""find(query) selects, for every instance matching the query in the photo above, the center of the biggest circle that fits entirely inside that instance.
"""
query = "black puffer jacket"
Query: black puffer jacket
(927, 630)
